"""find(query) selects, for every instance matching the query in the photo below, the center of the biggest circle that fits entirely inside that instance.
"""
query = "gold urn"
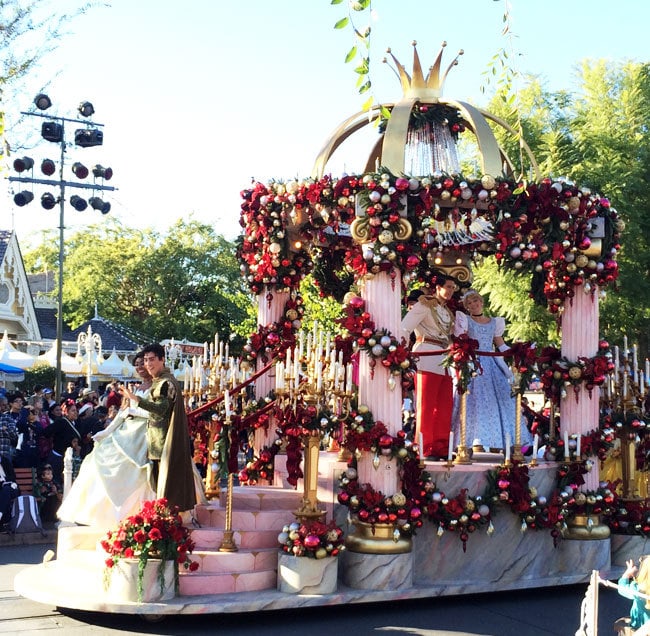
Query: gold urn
(377, 538)
(582, 527)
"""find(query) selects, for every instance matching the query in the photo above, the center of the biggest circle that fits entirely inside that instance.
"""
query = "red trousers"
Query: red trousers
(433, 407)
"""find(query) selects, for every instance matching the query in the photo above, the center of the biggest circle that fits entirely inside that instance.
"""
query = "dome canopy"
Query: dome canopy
(421, 133)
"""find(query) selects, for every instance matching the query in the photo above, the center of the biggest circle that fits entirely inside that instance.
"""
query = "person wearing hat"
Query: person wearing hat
(432, 322)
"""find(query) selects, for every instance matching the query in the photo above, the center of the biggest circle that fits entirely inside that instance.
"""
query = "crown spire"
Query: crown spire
(429, 88)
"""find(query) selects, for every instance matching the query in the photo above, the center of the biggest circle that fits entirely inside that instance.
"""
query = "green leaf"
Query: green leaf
(352, 53)
(342, 23)
(336, 1)
(385, 113)
(364, 88)
(368, 103)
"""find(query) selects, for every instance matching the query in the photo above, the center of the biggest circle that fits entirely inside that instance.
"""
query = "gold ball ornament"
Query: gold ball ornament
(386, 237)
(581, 260)
(488, 181)
(575, 373)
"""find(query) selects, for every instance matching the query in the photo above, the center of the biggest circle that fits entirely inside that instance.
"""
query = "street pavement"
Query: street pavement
(539, 612)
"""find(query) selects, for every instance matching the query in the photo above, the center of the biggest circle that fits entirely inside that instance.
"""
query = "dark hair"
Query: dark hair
(139, 354)
(157, 349)
(101, 410)
(414, 295)
(54, 406)
(15, 396)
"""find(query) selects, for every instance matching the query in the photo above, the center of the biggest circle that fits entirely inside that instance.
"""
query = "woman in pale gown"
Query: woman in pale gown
(490, 406)
(115, 478)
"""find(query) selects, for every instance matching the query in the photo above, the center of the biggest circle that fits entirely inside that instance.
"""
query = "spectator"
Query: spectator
(9, 427)
(48, 493)
(28, 456)
(62, 431)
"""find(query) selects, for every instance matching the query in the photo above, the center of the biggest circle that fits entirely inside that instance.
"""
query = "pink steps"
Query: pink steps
(258, 514)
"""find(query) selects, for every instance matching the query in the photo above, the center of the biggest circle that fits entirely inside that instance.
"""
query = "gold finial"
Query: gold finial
(429, 88)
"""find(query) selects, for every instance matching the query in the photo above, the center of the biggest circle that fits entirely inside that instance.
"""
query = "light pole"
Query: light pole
(53, 130)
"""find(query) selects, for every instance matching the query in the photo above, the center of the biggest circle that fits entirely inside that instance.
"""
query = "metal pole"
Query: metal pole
(59, 317)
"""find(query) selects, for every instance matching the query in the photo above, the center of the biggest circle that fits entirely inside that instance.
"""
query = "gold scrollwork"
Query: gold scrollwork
(403, 230)
(360, 229)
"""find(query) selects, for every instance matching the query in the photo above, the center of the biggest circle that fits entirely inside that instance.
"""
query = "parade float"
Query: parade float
(319, 416)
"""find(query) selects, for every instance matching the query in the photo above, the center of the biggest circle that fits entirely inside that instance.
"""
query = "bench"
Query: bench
(25, 479)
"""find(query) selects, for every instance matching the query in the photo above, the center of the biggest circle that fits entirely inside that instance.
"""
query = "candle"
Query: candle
(566, 445)
(226, 399)
(635, 358)
(641, 381)
(421, 444)
(647, 369)
(289, 357)
(578, 440)
(507, 447)
(319, 375)
(535, 445)
(624, 383)
(205, 350)
(625, 346)
(451, 446)
(278, 375)
(348, 380)
(616, 362)
(301, 344)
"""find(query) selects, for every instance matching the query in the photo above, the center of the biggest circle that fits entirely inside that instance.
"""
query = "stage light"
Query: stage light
(98, 204)
(51, 131)
(78, 203)
(42, 101)
(80, 171)
(23, 198)
(86, 109)
(102, 173)
(88, 137)
(48, 201)
(48, 167)
(24, 163)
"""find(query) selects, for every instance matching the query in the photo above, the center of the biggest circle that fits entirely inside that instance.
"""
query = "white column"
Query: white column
(580, 326)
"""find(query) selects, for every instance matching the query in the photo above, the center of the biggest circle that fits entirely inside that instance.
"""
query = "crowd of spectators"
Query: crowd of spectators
(36, 430)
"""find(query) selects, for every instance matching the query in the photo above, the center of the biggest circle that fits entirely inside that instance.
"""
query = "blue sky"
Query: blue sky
(197, 98)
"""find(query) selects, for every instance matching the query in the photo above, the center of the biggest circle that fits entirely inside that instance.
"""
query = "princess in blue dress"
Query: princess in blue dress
(490, 406)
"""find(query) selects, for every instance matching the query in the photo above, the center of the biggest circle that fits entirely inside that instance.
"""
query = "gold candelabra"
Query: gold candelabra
(228, 543)
(462, 452)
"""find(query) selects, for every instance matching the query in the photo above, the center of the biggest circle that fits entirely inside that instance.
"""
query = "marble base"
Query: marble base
(42, 583)
(302, 575)
(626, 547)
(377, 571)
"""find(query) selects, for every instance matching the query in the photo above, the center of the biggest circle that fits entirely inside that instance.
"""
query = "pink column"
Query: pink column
(580, 338)
(383, 301)
(268, 311)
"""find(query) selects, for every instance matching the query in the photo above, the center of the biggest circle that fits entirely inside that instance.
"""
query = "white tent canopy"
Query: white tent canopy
(11, 356)
(68, 363)
(113, 366)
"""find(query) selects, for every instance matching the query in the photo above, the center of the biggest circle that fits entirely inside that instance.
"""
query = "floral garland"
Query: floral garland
(462, 514)
(523, 360)
(422, 116)
(463, 357)
(379, 344)
(543, 228)
(259, 468)
(364, 434)
(266, 258)
(401, 508)
(275, 338)
(313, 539)
(557, 373)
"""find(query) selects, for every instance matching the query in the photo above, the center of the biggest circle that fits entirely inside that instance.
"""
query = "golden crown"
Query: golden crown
(429, 88)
